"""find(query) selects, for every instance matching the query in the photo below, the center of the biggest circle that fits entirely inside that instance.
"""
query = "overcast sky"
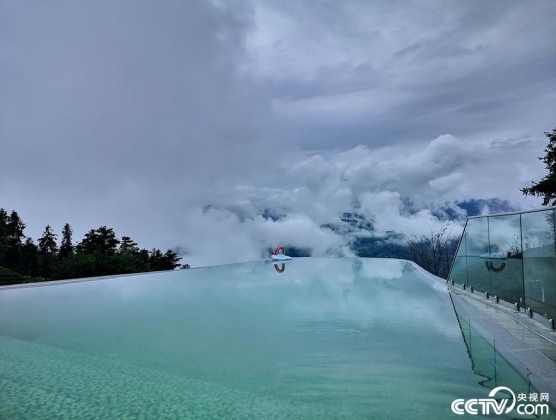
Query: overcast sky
(140, 114)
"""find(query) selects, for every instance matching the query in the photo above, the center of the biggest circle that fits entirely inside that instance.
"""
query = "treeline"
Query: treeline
(55, 256)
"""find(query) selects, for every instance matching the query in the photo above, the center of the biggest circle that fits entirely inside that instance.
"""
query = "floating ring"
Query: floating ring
(278, 249)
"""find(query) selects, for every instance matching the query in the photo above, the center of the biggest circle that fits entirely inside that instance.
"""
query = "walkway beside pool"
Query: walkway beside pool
(525, 343)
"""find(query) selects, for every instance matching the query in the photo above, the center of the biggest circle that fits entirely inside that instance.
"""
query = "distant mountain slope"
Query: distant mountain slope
(364, 241)
(494, 206)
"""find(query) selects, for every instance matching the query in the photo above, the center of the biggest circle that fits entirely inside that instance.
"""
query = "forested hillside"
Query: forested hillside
(54, 256)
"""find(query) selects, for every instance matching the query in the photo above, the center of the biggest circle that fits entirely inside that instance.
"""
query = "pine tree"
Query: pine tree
(171, 260)
(102, 240)
(128, 244)
(29, 258)
(101, 245)
(15, 235)
(15, 229)
(66, 246)
(47, 252)
(4, 219)
(156, 260)
(546, 188)
(144, 260)
(47, 242)
(127, 258)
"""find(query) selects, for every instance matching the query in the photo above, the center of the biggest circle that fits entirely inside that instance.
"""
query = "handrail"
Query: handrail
(512, 213)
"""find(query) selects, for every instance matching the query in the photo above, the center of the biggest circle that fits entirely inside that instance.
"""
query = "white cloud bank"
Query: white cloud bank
(399, 189)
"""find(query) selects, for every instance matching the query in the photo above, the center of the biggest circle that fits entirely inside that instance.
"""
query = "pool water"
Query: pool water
(327, 338)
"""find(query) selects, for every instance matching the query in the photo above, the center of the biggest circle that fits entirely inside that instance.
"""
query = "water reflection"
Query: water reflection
(280, 268)
(336, 335)
(220, 304)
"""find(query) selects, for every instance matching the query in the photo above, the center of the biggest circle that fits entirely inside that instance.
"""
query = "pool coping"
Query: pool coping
(425, 275)
(111, 276)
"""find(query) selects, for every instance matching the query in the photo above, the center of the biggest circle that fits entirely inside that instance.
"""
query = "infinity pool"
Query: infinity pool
(327, 338)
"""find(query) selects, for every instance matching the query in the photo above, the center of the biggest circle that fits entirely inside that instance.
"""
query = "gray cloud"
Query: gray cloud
(462, 68)
(104, 104)
(138, 115)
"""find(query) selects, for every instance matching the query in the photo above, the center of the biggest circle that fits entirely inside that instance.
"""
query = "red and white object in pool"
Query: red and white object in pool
(280, 254)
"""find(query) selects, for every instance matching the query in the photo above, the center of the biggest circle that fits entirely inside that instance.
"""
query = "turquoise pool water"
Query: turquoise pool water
(328, 338)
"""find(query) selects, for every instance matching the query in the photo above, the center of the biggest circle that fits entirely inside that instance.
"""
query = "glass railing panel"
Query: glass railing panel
(459, 270)
(477, 244)
(539, 262)
(512, 256)
(504, 257)
(462, 248)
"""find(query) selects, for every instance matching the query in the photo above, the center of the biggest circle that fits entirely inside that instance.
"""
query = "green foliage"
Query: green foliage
(10, 277)
(66, 247)
(97, 254)
(11, 236)
(48, 250)
(15, 229)
(546, 188)
(170, 260)
(29, 259)
(47, 242)
(129, 245)
(14, 239)
(4, 219)
(101, 241)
